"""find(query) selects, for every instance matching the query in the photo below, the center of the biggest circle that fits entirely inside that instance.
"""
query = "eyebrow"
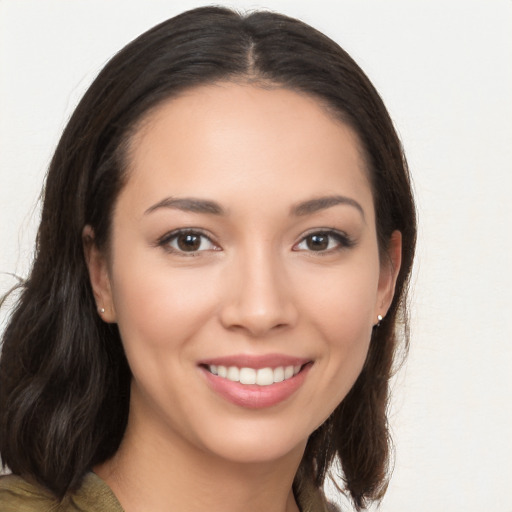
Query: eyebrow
(322, 203)
(188, 204)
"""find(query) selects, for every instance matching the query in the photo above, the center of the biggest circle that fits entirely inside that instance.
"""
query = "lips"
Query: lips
(256, 381)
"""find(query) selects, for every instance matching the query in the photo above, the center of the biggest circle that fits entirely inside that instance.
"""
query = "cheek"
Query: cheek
(343, 301)
(340, 308)
(157, 306)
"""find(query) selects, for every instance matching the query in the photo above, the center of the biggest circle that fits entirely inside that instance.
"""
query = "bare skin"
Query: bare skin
(185, 479)
(244, 237)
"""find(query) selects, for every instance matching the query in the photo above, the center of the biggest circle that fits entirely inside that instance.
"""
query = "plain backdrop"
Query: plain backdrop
(444, 70)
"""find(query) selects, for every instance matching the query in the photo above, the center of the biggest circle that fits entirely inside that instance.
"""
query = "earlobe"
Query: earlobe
(99, 277)
(390, 267)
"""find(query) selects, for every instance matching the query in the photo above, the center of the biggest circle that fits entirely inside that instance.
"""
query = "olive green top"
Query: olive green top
(94, 495)
(17, 495)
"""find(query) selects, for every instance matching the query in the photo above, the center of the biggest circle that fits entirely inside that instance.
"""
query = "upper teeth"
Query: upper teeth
(261, 376)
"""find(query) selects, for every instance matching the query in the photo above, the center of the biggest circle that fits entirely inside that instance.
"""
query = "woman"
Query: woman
(222, 262)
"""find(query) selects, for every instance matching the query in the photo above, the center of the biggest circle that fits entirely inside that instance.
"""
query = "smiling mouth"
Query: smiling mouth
(258, 376)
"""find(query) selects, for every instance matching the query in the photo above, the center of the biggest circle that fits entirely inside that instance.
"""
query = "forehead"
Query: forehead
(231, 139)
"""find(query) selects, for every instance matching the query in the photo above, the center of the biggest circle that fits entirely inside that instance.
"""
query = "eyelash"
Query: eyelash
(168, 238)
(341, 241)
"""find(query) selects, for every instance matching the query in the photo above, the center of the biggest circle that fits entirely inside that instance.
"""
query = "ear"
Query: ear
(390, 266)
(97, 266)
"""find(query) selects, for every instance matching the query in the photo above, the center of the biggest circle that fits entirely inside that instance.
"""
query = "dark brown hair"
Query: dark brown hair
(64, 379)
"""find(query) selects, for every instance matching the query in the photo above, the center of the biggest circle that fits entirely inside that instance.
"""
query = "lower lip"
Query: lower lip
(252, 396)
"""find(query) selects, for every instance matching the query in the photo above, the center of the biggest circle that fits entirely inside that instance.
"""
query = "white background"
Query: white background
(444, 69)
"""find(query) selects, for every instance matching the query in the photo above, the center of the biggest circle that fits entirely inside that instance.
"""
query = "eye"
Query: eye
(324, 241)
(187, 241)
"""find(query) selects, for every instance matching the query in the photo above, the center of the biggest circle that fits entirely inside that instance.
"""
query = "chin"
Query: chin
(257, 442)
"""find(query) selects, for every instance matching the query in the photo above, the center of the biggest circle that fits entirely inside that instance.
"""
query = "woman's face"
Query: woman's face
(244, 272)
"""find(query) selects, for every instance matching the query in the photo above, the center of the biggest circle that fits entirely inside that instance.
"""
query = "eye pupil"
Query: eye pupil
(318, 242)
(189, 242)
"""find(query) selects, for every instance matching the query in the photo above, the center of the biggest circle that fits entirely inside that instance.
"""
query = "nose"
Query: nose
(258, 297)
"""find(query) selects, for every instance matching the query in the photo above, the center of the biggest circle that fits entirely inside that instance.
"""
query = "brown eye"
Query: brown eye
(317, 242)
(324, 241)
(188, 242)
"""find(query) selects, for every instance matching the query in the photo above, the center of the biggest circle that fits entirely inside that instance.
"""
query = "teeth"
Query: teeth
(247, 376)
(279, 374)
(261, 377)
(264, 377)
(233, 374)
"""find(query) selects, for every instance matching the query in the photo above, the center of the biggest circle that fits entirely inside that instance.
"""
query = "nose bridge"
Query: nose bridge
(259, 299)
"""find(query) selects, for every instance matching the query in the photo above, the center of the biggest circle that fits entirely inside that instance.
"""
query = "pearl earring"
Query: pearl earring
(101, 310)
(379, 320)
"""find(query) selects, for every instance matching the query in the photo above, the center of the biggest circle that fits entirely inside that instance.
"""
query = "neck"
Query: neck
(152, 471)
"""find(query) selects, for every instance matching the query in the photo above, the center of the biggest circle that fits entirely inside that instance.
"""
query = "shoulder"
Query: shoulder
(18, 495)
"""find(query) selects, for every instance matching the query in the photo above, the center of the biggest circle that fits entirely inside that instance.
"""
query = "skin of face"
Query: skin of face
(267, 270)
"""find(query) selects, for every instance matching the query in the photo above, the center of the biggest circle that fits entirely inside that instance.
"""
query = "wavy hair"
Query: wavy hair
(64, 379)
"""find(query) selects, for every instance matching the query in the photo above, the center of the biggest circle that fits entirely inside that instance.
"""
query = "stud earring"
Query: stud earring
(101, 311)
(379, 320)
